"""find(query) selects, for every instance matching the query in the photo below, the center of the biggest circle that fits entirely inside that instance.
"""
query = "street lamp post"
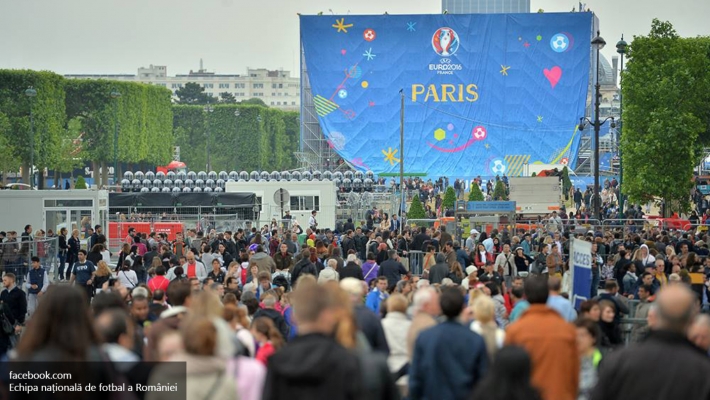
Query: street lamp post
(115, 95)
(621, 47)
(31, 93)
(208, 110)
(598, 43)
(236, 132)
(258, 120)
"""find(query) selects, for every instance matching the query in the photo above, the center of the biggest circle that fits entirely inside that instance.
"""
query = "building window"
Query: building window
(209, 85)
(224, 85)
(281, 85)
(259, 94)
(258, 86)
(239, 86)
(293, 103)
(272, 103)
(305, 203)
(273, 86)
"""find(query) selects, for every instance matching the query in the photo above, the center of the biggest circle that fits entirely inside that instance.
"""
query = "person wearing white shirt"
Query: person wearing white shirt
(471, 241)
(128, 277)
(312, 223)
(329, 273)
(396, 325)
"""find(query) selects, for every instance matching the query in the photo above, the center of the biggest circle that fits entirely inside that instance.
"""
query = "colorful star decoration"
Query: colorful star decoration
(390, 155)
(539, 118)
(340, 25)
(526, 44)
(488, 146)
(504, 70)
(369, 54)
(410, 26)
(371, 103)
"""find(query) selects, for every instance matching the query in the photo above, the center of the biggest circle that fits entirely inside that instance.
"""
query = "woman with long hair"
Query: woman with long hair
(125, 251)
(456, 273)
(610, 330)
(268, 337)
(60, 329)
(385, 224)
(103, 274)
(95, 254)
(127, 276)
(481, 256)
(485, 325)
(381, 253)
(508, 378)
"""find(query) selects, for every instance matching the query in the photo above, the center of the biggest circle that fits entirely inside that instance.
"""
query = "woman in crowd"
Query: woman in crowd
(456, 273)
(207, 375)
(103, 274)
(127, 276)
(485, 325)
(610, 330)
(267, 336)
(124, 253)
(522, 260)
(396, 325)
(480, 256)
(590, 356)
(95, 254)
(590, 309)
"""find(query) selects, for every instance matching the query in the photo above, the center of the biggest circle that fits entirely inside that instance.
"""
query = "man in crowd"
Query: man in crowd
(392, 269)
(377, 295)
(449, 352)
(551, 343)
(367, 321)
(664, 366)
(559, 303)
(426, 309)
(13, 304)
(83, 273)
(505, 265)
(314, 365)
(36, 283)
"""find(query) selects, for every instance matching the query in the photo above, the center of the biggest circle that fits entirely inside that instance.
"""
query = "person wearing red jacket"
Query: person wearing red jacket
(481, 256)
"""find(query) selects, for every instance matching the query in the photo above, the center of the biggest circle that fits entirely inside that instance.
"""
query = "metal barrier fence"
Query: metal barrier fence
(429, 223)
(15, 256)
(626, 226)
(416, 262)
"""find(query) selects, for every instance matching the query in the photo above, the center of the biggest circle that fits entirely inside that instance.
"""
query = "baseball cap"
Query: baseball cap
(474, 232)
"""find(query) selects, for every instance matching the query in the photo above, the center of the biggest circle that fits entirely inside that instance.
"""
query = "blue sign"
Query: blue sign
(484, 93)
(581, 262)
(490, 206)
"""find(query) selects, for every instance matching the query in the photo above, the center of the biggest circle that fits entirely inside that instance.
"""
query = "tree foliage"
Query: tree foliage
(227, 98)
(449, 198)
(80, 183)
(241, 137)
(49, 116)
(475, 194)
(416, 210)
(499, 191)
(255, 102)
(193, 93)
(566, 182)
(666, 116)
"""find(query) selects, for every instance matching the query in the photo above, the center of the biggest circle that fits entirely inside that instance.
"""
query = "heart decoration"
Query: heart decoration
(553, 75)
(343, 51)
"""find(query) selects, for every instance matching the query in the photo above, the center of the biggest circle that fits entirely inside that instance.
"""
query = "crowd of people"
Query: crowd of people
(323, 314)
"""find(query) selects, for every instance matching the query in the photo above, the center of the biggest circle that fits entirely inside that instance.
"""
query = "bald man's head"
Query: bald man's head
(699, 332)
(674, 309)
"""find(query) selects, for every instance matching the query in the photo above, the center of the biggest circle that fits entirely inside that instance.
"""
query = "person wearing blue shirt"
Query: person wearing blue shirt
(377, 295)
(559, 303)
(448, 359)
(83, 273)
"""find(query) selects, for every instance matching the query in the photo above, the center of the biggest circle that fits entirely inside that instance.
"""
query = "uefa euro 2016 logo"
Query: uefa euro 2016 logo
(445, 42)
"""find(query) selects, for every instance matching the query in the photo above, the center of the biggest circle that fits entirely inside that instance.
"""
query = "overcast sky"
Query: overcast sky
(118, 36)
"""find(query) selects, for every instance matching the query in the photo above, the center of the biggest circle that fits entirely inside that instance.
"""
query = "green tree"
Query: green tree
(254, 101)
(80, 183)
(666, 92)
(499, 191)
(227, 98)
(416, 210)
(534, 174)
(192, 93)
(9, 162)
(566, 182)
(475, 194)
(449, 198)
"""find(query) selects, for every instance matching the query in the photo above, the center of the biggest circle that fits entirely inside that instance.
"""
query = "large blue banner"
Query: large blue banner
(581, 269)
(484, 93)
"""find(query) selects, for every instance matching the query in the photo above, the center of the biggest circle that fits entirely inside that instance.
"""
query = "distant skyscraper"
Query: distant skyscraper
(485, 6)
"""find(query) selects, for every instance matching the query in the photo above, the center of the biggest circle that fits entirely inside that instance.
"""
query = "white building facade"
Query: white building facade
(276, 88)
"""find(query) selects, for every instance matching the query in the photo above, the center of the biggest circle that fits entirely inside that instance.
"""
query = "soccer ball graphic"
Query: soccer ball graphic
(564, 161)
(479, 133)
(498, 167)
(560, 42)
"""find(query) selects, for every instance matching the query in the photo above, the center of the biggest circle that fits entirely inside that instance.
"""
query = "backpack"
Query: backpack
(281, 281)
